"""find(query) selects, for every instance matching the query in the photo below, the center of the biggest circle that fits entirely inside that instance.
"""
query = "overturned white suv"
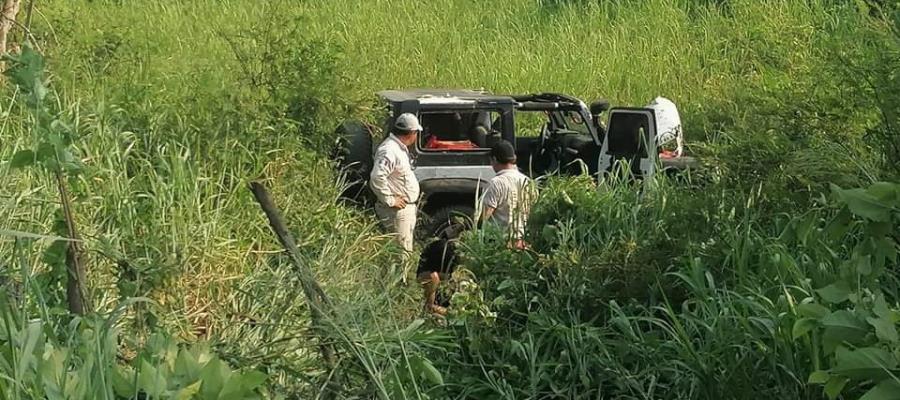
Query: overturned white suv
(552, 133)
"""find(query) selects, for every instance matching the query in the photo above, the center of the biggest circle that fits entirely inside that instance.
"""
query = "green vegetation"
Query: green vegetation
(769, 273)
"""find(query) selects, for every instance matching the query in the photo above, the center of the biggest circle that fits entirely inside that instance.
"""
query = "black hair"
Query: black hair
(504, 152)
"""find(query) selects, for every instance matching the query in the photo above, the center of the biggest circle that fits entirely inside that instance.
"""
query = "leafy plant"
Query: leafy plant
(86, 357)
(849, 321)
(165, 370)
(53, 135)
(52, 150)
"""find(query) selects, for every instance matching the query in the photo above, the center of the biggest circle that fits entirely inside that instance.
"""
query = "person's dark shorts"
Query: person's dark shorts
(440, 255)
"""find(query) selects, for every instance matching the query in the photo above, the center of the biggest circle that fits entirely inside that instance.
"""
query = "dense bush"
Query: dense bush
(808, 299)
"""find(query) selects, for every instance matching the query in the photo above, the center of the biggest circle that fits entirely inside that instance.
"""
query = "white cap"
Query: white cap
(407, 122)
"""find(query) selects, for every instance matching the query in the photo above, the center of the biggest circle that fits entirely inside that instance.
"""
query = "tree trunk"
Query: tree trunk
(76, 294)
(319, 305)
(7, 20)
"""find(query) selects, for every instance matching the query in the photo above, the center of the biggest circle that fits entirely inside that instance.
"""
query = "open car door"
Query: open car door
(630, 138)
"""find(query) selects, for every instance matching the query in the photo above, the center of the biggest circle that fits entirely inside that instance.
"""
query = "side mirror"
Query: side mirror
(599, 106)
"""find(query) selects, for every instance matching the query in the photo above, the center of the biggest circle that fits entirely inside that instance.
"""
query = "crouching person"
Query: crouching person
(436, 263)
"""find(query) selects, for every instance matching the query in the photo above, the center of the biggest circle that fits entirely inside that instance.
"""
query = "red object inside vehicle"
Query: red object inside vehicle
(667, 154)
(434, 144)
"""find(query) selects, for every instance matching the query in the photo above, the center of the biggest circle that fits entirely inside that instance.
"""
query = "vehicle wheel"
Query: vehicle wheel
(353, 154)
(431, 225)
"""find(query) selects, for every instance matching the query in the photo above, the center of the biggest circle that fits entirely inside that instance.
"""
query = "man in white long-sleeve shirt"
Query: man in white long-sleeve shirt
(394, 183)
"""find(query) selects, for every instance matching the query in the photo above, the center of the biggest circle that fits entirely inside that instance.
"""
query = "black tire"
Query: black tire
(353, 154)
(433, 223)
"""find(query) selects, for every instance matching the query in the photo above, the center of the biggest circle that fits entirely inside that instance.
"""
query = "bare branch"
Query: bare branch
(7, 20)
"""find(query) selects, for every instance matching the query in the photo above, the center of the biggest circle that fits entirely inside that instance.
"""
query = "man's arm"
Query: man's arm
(490, 201)
(487, 213)
(382, 169)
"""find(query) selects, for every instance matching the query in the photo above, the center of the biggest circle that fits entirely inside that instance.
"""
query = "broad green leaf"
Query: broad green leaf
(864, 204)
(52, 370)
(170, 353)
(68, 162)
(813, 310)
(22, 159)
(28, 340)
(837, 228)
(62, 129)
(885, 249)
(863, 265)
(835, 386)
(233, 388)
(253, 379)
(881, 308)
(73, 168)
(878, 229)
(55, 139)
(818, 377)
(201, 353)
(888, 389)
(834, 293)
(214, 376)
(64, 155)
(53, 391)
(884, 328)
(56, 253)
(884, 191)
(424, 367)
(46, 153)
(802, 326)
(76, 385)
(26, 70)
(842, 327)
(38, 92)
(844, 319)
(863, 363)
(187, 392)
(151, 380)
(123, 382)
(187, 369)
(242, 385)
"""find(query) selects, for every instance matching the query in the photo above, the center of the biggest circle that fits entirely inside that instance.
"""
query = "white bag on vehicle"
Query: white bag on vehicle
(668, 123)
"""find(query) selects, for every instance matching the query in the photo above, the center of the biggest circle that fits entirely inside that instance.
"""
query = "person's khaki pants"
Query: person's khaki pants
(403, 224)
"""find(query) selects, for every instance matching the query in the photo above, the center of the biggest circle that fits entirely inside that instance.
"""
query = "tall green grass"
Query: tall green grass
(758, 308)
(177, 105)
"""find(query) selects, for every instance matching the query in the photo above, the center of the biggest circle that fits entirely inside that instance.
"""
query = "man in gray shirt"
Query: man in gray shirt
(394, 183)
(509, 195)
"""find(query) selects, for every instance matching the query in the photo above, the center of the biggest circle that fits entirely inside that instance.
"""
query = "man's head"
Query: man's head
(503, 156)
(406, 128)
